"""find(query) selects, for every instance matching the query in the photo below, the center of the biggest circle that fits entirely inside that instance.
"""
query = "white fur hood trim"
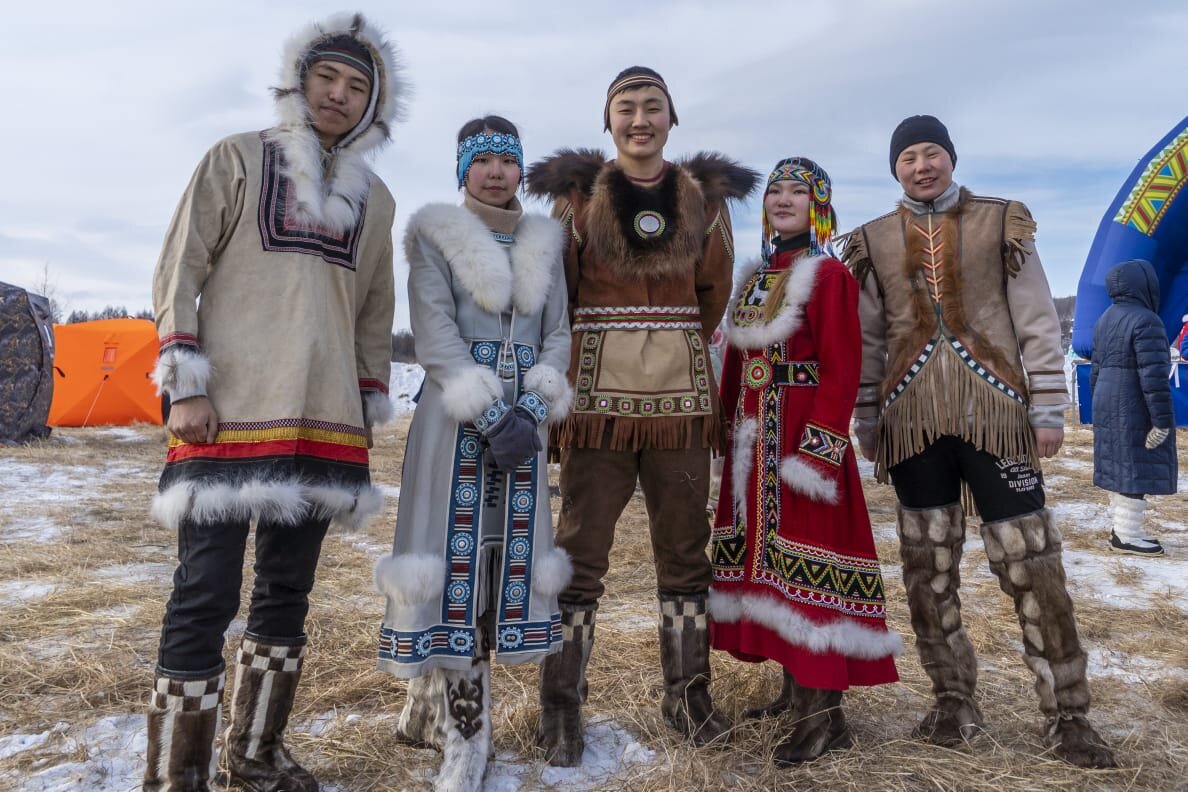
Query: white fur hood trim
(798, 289)
(332, 186)
(843, 636)
(494, 278)
(283, 501)
(411, 578)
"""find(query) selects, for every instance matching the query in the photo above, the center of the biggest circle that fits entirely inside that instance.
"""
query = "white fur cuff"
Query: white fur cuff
(377, 408)
(553, 387)
(802, 477)
(551, 572)
(409, 578)
(843, 636)
(182, 372)
(465, 395)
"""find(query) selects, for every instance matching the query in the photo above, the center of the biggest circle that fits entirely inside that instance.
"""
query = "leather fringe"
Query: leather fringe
(617, 433)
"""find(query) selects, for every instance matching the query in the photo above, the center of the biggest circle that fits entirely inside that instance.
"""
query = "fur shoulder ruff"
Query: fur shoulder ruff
(567, 170)
(719, 177)
(494, 278)
(798, 289)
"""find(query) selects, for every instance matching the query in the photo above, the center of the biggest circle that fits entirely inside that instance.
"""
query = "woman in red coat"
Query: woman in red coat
(796, 577)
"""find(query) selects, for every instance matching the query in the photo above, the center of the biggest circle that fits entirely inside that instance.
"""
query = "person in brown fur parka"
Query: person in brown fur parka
(649, 266)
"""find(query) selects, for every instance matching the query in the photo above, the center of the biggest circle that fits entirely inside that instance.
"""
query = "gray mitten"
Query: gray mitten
(513, 439)
(1155, 437)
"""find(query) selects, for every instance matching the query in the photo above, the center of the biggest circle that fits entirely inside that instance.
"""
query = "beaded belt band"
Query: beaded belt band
(760, 372)
(638, 317)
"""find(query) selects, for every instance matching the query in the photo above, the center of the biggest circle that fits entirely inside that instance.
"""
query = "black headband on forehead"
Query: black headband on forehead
(343, 49)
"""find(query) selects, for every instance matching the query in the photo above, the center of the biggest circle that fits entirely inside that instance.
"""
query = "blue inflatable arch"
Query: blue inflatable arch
(1148, 219)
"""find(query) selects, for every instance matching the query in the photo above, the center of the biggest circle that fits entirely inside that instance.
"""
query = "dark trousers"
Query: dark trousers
(597, 483)
(1001, 488)
(207, 582)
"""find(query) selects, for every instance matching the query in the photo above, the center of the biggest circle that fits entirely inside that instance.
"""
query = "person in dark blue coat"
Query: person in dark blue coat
(1134, 439)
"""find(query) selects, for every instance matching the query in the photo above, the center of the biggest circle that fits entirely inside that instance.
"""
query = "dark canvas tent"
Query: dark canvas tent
(26, 364)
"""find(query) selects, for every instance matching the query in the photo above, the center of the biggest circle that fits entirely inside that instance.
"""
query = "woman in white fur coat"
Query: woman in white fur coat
(473, 567)
(796, 577)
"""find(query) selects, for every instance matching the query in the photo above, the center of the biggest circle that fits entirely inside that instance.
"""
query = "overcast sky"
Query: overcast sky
(111, 105)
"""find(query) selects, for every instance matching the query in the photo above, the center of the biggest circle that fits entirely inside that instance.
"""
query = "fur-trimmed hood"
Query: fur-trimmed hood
(495, 278)
(798, 289)
(720, 178)
(332, 186)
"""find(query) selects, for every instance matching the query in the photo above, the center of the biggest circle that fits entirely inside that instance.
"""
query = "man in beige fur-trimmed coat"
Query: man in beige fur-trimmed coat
(963, 389)
(276, 377)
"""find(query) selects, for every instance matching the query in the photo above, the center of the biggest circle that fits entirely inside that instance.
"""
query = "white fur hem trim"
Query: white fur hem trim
(411, 578)
(802, 477)
(553, 387)
(740, 465)
(465, 395)
(283, 502)
(182, 373)
(844, 637)
(377, 409)
(551, 572)
(798, 289)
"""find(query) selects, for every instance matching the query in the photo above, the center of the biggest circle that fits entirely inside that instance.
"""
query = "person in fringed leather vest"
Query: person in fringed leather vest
(963, 391)
(276, 377)
(796, 575)
(648, 264)
(473, 569)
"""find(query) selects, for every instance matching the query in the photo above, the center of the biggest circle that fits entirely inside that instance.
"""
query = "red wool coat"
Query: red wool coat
(796, 577)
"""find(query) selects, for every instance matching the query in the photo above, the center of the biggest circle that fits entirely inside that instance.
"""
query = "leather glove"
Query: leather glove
(513, 439)
(1156, 437)
(866, 430)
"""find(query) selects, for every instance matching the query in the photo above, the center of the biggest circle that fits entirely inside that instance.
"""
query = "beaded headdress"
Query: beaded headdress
(822, 218)
(497, 143)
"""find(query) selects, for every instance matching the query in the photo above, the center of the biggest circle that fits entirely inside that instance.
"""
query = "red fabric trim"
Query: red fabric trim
(373, 385)
(270, 448)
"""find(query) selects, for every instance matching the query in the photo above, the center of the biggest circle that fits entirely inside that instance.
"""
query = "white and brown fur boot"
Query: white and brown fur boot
(183, 719)
(1025, 555)
(466, 744)
(266, 677)
(930, 545)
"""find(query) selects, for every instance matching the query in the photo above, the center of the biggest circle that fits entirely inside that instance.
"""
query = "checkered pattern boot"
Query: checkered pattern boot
(265, 683)
(930, 544)
(183, 719)
(563, 687)
(1025, 555)
(684, 659)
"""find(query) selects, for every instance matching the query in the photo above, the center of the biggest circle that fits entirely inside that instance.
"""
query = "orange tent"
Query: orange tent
(102, 373)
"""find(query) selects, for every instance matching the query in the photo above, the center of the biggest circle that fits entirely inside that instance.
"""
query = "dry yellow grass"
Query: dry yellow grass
(83, 647)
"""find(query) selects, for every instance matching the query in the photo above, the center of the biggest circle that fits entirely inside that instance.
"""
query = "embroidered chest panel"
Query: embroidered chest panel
(280, 229)
(752, 303)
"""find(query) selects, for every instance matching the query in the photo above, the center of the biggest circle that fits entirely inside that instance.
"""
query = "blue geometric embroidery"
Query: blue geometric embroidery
(533, 403)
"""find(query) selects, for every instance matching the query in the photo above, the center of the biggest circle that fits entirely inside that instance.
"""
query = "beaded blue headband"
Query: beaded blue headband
(483, 143)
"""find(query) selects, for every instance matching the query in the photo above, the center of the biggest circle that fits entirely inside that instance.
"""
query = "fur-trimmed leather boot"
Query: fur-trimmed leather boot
(266, 677)
(684, 659)
(785, 701)
(467, 739)
(1025, 555)
(820, 728)
(183, 719)
(930, 545)
(563, 687)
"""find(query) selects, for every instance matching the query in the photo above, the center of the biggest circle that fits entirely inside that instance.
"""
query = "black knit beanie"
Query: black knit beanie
(920, 129)
(345, 49)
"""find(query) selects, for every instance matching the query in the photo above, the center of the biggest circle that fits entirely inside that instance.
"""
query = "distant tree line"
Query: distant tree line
(402, 347)
(110, 312)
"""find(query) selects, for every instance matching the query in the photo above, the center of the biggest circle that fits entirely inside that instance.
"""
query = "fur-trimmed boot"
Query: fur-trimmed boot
(1025, 555)
(785, 701)
(930, 545)
(422, 722)
(684, 659)
(183, 719)
(467, 739)
(821, 727)
(266, 678)
(563, 688)
(1127, 535)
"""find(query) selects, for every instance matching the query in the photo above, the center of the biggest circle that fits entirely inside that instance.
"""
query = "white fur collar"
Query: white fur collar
(797, 291)
(331, 195)
(494, 278)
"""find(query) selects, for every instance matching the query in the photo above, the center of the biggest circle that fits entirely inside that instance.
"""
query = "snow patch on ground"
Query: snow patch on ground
(128, 434)
(18, 592)
(113, 748)
(44, 485)
(136, 573)
(403, 385)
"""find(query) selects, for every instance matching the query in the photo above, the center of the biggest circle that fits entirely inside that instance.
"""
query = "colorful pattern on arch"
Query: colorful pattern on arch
(1159, 185)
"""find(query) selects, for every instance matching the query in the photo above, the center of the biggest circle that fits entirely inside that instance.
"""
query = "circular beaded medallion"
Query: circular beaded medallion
(649, 224)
